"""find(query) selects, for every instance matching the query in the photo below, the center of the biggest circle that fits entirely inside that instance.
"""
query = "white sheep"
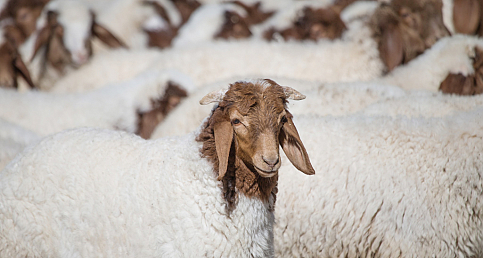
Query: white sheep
(385, 187)
(115, 106)
(92, 192)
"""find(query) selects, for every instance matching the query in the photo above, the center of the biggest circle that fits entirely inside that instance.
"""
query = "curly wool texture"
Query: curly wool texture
(113, 107)
(385, 187)
(100, 193)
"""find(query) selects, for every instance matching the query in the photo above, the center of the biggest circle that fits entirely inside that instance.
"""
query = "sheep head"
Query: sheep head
(313, 24)
(405, 29)
(66, 31)
(243, 135)
(24, 14)
(234, 26)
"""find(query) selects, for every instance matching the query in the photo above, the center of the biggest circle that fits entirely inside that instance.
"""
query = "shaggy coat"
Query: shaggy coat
(134, 198)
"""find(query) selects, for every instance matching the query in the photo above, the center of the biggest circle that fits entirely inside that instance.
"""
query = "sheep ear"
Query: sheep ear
(466, 16)
(215, 96)
(294, 148)
(24, 72)
(391, 47)
(105, 35)
(223, 139)
(45, 33)
(290, 93)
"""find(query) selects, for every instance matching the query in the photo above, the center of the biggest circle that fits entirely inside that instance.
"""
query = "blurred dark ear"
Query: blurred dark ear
(105, 35)
(294, 148)
(391, 47)
(466, 16)
(22, 69)
(46, 32)
(223, 139)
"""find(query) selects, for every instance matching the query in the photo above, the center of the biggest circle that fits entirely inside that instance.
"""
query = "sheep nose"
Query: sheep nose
(80, 58)
(271, 161)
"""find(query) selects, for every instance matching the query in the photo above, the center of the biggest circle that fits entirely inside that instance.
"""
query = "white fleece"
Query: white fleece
(353, 58)
(335, 99)
(13, 139)
(427, 71)
(101, 193)
(384, 187)
(114, 106)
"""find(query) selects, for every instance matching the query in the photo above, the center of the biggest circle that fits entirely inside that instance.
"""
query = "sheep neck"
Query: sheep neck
(240, 178)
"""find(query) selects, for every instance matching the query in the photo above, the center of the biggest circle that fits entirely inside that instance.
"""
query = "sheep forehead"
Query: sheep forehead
(262, 101)
(76, 20)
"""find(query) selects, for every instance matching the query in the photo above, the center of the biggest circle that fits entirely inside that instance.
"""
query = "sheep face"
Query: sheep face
(252, 119)
(405, 29)
(66, 31)
(242, 136)
(256, 123)
(24, 14)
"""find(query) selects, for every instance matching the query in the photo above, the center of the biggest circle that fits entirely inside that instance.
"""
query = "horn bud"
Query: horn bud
(290, 93)
(215, 96)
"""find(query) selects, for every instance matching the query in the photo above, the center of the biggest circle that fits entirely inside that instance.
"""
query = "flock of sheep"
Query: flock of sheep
(105, 150)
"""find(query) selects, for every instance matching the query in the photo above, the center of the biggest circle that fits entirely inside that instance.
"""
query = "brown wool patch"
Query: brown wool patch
(148, 121)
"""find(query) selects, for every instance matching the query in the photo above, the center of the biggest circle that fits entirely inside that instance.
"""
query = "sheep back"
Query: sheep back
(93, 192)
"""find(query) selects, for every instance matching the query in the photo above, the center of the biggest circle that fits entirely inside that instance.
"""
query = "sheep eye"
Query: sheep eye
(235, 122)
(283, 120)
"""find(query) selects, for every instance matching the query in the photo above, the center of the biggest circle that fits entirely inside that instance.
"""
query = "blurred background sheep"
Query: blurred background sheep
(141, 66)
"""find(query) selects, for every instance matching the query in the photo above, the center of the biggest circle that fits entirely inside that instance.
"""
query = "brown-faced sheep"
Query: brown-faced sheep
(163, 198)
(405, 29)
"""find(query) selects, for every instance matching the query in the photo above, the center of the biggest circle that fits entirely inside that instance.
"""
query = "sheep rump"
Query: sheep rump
(385, 187)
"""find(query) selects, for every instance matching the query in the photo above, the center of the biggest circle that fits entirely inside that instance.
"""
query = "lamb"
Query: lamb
(117, 106)
(211, 194)
(385, 187)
